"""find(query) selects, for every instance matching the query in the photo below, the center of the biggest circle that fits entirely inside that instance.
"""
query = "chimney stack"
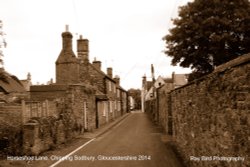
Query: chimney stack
(83, 49)
(97, 64)
(67, 65)
(110, 72)
(117, 80)
(67, 40)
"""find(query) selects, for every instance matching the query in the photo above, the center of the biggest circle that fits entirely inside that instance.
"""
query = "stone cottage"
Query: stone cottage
(101, 100)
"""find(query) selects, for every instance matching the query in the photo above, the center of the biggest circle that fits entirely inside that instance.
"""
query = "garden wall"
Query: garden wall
(211, 116)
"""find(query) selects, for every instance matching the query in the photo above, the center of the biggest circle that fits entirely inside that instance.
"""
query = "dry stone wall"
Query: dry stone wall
(165, 114)
(211, 117)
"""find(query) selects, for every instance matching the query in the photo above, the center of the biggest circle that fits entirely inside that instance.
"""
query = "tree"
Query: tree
(136, 94)
(2, 43)
(208, 33)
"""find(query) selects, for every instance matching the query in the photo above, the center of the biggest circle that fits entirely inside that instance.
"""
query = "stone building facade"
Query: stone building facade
(82, 98)
(73, 113)
(85, 98)
(73, 69)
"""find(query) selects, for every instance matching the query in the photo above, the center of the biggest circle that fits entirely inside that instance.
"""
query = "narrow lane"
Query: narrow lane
(133, 142)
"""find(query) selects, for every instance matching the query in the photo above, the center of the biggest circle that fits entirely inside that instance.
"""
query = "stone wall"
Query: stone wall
(151, 109)
(164, 110)
(67, 73)
(11, 113)
(211, 116)
(73, 113)
(47, 92)
(46, 123)
(41, 134)
(78, 96)
(12, 118)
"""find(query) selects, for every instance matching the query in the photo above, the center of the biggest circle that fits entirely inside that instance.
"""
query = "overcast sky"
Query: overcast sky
(124, 34)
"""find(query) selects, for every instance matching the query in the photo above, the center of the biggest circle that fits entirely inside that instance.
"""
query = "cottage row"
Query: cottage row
(83, 98)
(97, 97)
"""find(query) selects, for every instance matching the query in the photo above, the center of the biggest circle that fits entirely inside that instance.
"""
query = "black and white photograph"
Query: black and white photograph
(124, 83)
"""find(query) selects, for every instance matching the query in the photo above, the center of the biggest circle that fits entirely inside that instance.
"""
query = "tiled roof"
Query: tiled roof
(101, 72)
(105, 75)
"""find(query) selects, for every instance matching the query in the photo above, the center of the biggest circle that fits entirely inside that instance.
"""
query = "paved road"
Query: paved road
(133, 142)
